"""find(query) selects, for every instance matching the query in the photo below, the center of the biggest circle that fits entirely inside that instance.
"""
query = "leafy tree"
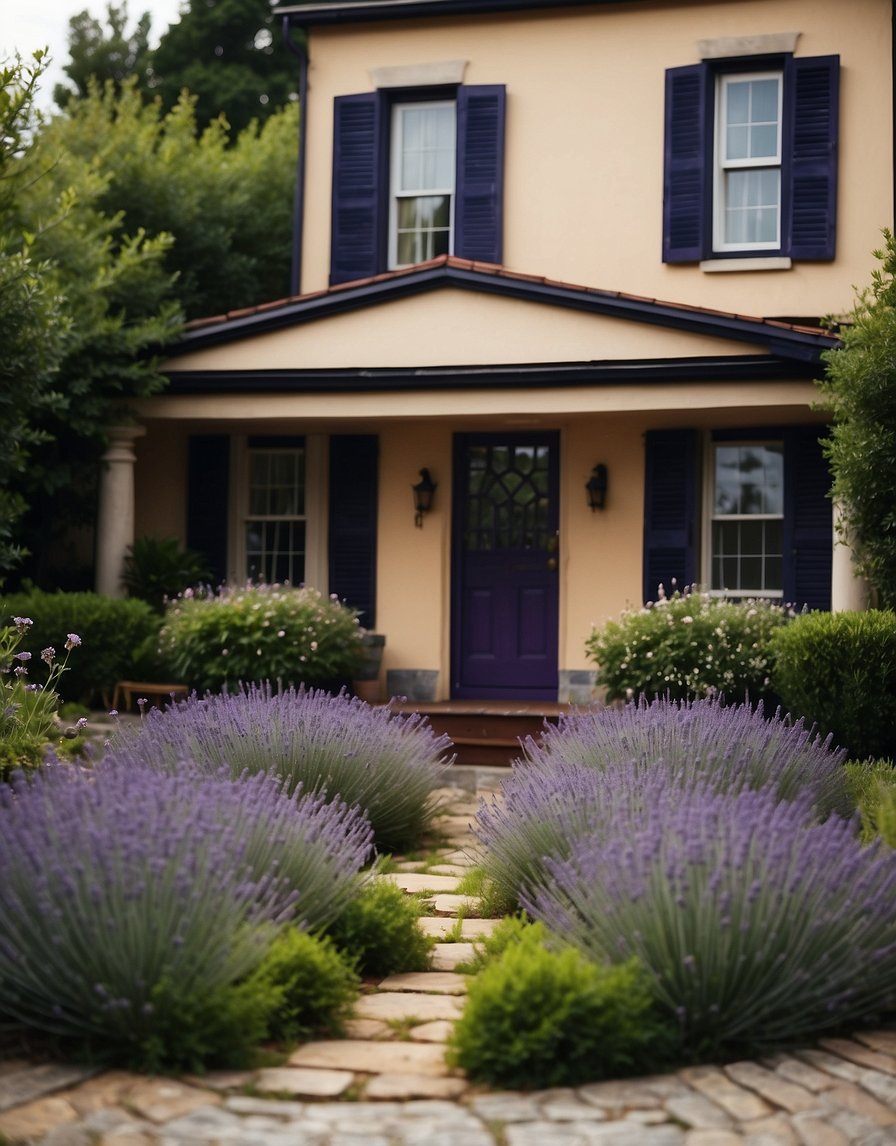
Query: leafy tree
(32, 324)
(860, 389)
(103, 54)
(230, 55)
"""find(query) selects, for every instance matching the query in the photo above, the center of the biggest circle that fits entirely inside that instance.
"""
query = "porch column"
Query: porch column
(849, 591)
(115, 516)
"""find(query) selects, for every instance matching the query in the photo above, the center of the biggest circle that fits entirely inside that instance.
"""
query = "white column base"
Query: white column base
(850, 593)
(115, 517)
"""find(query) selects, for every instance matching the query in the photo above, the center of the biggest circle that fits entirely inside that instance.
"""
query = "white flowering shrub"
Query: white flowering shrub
(689, 645)
(260, 633)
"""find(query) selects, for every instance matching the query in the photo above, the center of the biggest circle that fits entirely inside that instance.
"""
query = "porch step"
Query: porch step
(486, 733)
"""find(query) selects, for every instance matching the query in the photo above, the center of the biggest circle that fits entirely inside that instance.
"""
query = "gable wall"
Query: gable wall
(584, 151)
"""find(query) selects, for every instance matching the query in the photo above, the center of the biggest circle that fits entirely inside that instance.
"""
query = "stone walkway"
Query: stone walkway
(387, 1084)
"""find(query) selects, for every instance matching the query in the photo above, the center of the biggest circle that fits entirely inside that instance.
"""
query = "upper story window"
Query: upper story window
(748, 163)
(751, 159)
(416, 174)
(422, 182)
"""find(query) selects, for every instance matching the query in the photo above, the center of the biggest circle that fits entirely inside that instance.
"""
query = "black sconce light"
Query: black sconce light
(423, 491)
(596, 487)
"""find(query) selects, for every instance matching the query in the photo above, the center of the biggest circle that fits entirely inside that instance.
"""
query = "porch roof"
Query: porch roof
(323, 12)
(794, 346)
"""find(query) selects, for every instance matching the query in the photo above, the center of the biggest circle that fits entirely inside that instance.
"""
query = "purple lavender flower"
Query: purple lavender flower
(756, 921)
(22, 624)
(336, 745)
(139, 882)
(73, 641)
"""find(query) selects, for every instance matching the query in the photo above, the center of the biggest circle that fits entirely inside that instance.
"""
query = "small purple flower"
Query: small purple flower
(73, 641)
(22, 624)
(48, 654)
(23, 657)
(20, 670)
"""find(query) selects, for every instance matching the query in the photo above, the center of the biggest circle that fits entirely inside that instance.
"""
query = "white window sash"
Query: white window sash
(396, 191)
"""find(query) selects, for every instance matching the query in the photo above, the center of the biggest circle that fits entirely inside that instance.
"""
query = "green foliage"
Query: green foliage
(873, 787)
(689, 645)
(111, 628)
(258, 633)
(101, 53)
(156, 570)
(838, 670)
(311, 985)
(28, 720)
(230, 56)
(511, 930)
(537, 1018)
(32, 323)
(859, 388)
(378, 930)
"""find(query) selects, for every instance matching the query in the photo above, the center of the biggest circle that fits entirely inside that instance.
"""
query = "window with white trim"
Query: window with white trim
(278, 530)
(422, 181)
(748, 162)
(746, 534)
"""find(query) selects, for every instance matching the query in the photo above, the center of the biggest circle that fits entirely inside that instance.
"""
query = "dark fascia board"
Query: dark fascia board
(781, 340)
(323, 13)
(512, 376)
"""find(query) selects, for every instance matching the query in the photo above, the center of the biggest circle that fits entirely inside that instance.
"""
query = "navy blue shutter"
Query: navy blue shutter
(670, 506)
(480, 173)
(811, 110)
(808, 520)
(208, 469)
(358, 174)
(686, 159)
(354, 462)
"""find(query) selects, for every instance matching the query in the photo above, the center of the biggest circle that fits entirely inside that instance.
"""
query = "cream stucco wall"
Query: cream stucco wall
(584, 150)
(451, 327)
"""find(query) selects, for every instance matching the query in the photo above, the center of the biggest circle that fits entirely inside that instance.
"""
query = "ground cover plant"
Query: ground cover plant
(568, 784)
(758, 923)
(691, 644)
(260, 633)
(839, 671)
(335, 745)
(136, 906)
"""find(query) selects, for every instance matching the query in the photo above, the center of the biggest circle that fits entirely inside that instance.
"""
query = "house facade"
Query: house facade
(567, 263)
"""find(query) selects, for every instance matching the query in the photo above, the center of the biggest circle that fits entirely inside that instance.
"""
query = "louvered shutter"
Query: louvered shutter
(670, 506)
(352, 524)
(358, 178)
(686, 159)
(808, 520)
(208, 469)
(811, 102)
(478, 212)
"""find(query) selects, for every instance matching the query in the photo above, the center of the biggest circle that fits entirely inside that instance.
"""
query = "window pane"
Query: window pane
(751, 118)
(275, 551)
(427, 148)
(752, 199)
(423, 228)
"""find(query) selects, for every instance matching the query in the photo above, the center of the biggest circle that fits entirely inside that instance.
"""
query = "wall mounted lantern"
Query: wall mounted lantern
(423, 493)
(596, 487)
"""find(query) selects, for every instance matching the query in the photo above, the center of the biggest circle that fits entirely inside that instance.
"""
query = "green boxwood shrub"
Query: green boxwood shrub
(872, 784)
(110, 628)
(689, 645)
(378, 931)
(261, 633)
(838, 670)
(310, 986)
(537, 1017)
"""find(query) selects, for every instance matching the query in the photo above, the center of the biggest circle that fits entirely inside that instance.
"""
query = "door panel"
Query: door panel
(505, 591)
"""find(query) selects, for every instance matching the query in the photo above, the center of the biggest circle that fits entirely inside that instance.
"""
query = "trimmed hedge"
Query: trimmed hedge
(111, 631)
(838, 670)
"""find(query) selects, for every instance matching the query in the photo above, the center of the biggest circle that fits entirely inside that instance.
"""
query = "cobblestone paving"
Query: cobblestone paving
(375, 1088)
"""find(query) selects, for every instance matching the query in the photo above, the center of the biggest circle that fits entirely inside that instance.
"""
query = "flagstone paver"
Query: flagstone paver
(839, 1092)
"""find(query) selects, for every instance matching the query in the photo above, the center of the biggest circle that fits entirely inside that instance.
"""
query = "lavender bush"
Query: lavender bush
(757, 922)
(388, 766)
(566, 785)
(134, 906)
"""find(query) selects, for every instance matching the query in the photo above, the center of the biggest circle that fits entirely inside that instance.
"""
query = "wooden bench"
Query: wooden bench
(128, 692)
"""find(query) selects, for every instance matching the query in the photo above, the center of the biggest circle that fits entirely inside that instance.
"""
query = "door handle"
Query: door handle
(552, 563)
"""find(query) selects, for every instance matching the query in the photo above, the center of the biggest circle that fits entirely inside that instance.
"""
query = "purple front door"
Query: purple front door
(505, 580)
